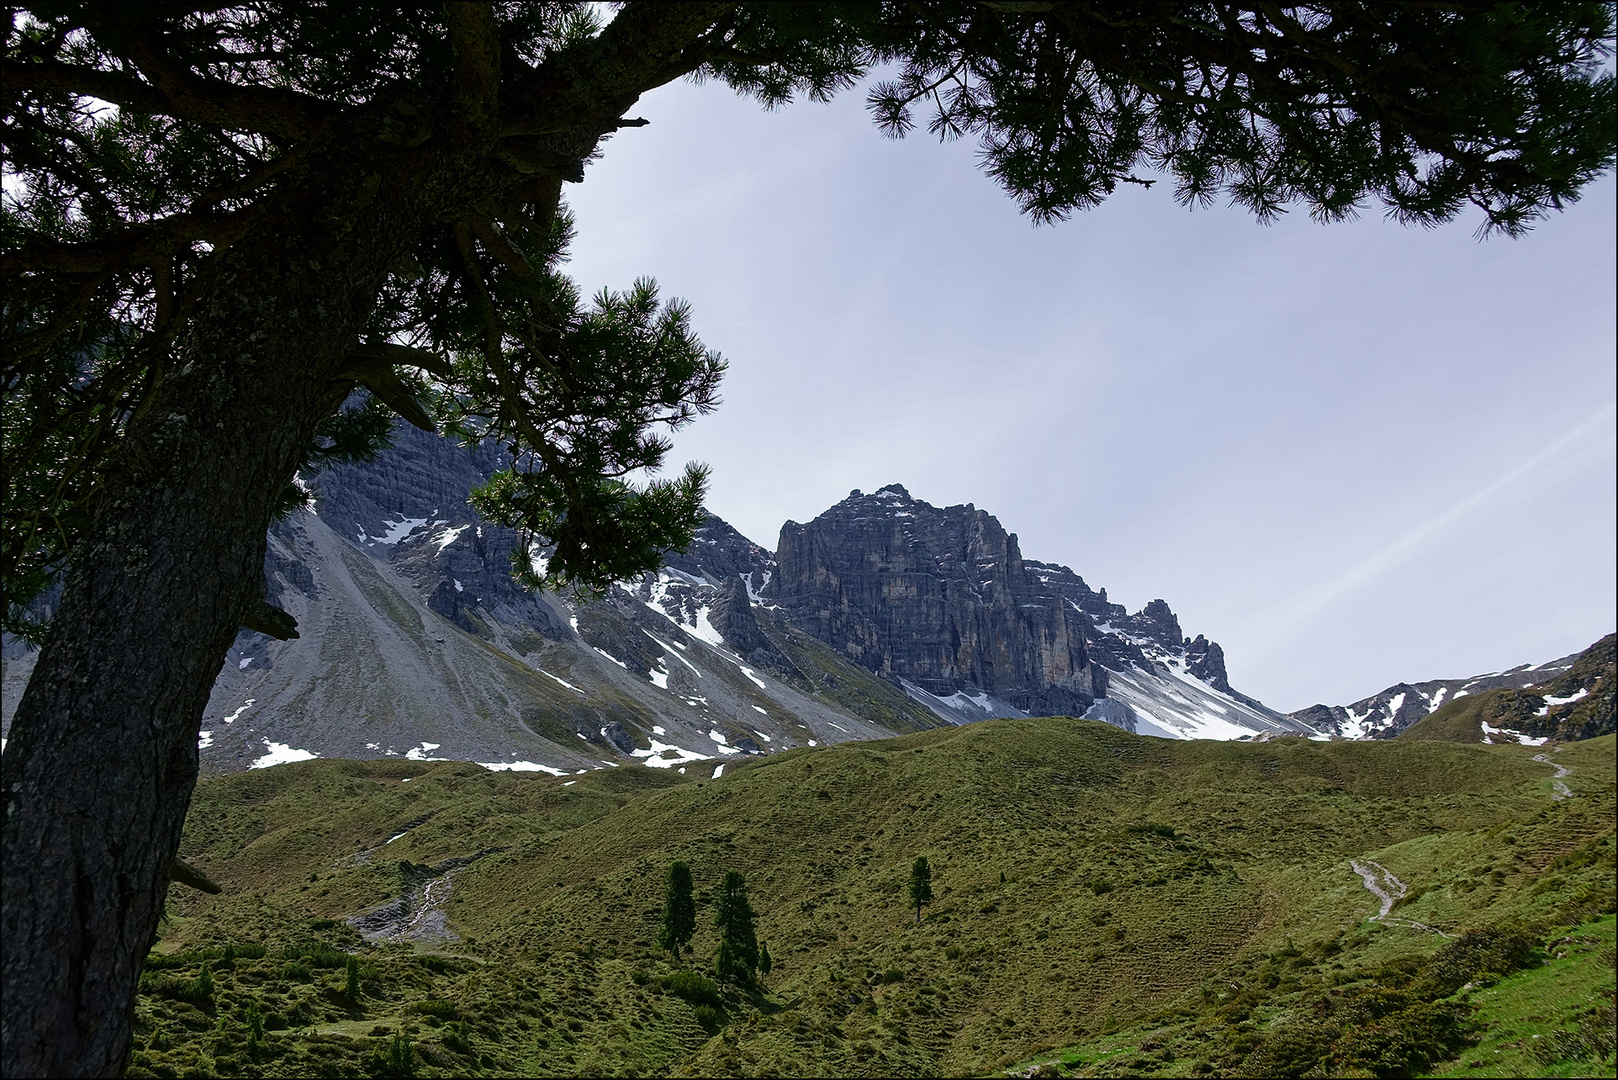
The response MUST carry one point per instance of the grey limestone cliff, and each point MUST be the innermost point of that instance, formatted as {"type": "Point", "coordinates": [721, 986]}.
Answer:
{"type": "Point", "coordinates": [938, 597]}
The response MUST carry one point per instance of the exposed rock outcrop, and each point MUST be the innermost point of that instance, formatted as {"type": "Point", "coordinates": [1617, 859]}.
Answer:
{"type": "Point", "coordinates": [1206, 660]}
{"type": "Point", "coordinates": [937, 597]}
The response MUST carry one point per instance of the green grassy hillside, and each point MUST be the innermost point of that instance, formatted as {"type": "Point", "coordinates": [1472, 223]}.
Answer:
{"type": "Point", "coordinates": [1461, 720]}
{"type": "Point", "coordinates": [1105, 903]}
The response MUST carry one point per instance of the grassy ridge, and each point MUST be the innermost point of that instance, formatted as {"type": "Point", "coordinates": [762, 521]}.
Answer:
{"type": "Point", "coordinates": [1088, 882]}
{"type": "Point", "coordinates": [1575, 705]}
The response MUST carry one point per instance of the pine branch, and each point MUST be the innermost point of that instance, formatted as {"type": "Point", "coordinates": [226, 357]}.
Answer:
{"type": "Point", "coordinates": [593, 83]}
{"type": "Point", "coordinates": [494, 354]}
{"type": "Point", "coordinates": [131, 245]}
{"type": "Point", "coordinates": [390, 353]}
{"type": "Point", "coordinates": [376, 374]}
{"type": "Point", "coordinates": [496, 242]}
{"type": "Point", "coordinates": [273, 111]}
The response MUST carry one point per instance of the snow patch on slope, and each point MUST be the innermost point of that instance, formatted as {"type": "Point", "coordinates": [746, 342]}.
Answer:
{"type": "Point", "coordinates": [667, 756]}
{"type": "Point", "coordinates": [520, 766]}
{"type": "Point", "coordinates": [281, 754]}
{"type": "Point", "coordinates": [1173, 700]}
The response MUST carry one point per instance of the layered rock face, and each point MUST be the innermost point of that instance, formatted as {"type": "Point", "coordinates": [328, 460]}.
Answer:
{"type": "Point", "coordinates": [940, 597]}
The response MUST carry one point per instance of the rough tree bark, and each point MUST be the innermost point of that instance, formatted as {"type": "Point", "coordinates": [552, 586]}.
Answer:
{"type": "Point", "coordinates": [151, 605]}
{"type": "Point", "coordinates": [102, 755]}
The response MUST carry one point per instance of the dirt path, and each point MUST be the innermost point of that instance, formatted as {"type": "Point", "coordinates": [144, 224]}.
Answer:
{"type": "Point", "coordinates": [1381, 883]}
{"type": "Point", "coordinates": [417, 914]}
{"type": "Point", "coordinates": [1374, 874]}
{"type": "Point", "coordinates": [1388, 889]}
{"type": "Point", "coordinates": [1562, 790]}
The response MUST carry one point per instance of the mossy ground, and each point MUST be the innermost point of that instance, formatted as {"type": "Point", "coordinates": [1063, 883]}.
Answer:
{"type": "Point", "coordinates": [1154, 907]}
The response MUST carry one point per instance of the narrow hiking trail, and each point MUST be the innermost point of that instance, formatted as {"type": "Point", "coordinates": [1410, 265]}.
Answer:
{"type": "Point", "coordinates": [1562, 790]}
{"type": "Point", "coordinates": [1379, 880]}
{"type": "Point", "coordinates": [1381, 883]}
{"type": "Point", "coordinates": [1374, 875]}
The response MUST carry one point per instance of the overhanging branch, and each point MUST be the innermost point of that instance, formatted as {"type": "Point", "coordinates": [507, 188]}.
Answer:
{"type": "Point", "coordinates": [596, 81]}
{"type": "Point", "coordinates": [372, 368]}
{"type": "Point", "coordinates": [281, 113]}
{"type": "Point", "coordinates": [130, 245]}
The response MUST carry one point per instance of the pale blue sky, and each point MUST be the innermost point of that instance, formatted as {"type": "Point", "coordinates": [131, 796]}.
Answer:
{"type": "Point", "coordinates": [1352, 454]}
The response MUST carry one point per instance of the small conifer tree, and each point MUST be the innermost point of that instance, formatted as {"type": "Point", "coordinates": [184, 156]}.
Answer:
{"type": "Point", "coordinates": [351, 978]}
{"type": "Point", "coordinates": [399, 1059]}
{"type": "Point", "coordinates": [202, 988]}
{"type": "Point", "coordinates": [679, 910]}
{"type": "Point", "coordinates": [255, 1029]}
{"type": "Point", "coordinates": [921, 884]}
{"type": "Point", "coordinates": [737, 956]}
{"type": "Point", "coordinates": [764, 961]}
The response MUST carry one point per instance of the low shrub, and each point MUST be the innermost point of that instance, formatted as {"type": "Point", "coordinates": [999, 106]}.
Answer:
{"type": "Point", "coordinates": [1500, 950]}
{"type": "Point", "coordinates": [1102, 886]}
{"type": "Point", "coordinates": [695, 988]}
{"type": "Point", "coordinates": [434, 1007]}
{"type": "Point", "coordinates": [193, 957]}
{"type": "Point", "coordinates": [316, 954]}
{"type": "Point", "coordinates": [197, 991]}
{"type": "Point", "coordinates": [1289, 1052]}
{"type": "Point", "coordinates": [711, 1019]}
{"type": "Point", "coordinates": [1148, 828]}
{"type": "Point", "coordinates": [1408, 1041]}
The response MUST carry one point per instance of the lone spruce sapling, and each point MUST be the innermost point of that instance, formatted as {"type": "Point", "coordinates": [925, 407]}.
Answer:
{"type": "Point", "coordinates": [351, 978]}
{"type": "Point", "coordinates": [679, 910]}
{"type": "Point", "coordinates": [737, 956]}
{"type": "Point", "coordinates": [921, 884]}
{"type": "Point", "coordinates": [280, 196]}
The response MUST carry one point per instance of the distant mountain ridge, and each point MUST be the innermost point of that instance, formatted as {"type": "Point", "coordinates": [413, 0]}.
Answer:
{"type": "Point", "coordinates": [415, 641]}
{"type": "Point", "coordinates": [881, 616]}
{"type": "Point", "coordinates": [1572, 702]}
{"type": "Point", "coordinates": [1386, 714]}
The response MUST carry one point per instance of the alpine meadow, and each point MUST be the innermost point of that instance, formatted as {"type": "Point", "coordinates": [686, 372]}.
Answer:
{"type": "Point", "coordinates": [374, 707]}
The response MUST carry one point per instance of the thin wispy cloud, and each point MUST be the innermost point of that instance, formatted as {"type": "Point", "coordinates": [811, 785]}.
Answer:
{"type": "Point", "coordinates": [1177, 404]}
{"type": "Point", "coordinates": [1287, 616]}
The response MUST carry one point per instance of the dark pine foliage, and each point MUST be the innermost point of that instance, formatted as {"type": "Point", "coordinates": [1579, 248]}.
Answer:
{"type": "Point", "coordinates": [737, 957]}
{"type": "Point", "coordinates": [679, 911]}
{"type": "Point", "coordinates": [921, 884]}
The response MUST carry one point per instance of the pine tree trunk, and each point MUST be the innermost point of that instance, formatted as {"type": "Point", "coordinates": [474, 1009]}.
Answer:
{"type": "Point", "coordinates": [102, 756]}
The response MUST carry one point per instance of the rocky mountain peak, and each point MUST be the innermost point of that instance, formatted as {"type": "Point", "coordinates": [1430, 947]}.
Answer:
{"type": "Point", "coordinates": [934, 597]}
{"type": "Point", "coordinates": [719, 553]}
{"type": "Point", "coordinates": [1206, 660]}
{"type": "Point", "coordinates": [1159, 623]}
{"type": "Point", "coordinates": [942, 601]}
